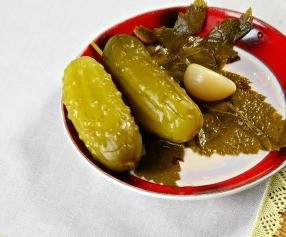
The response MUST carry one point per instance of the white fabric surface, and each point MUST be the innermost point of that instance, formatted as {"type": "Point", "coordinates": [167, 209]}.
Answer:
{"type": "Point", "coordinates": [46, 187]}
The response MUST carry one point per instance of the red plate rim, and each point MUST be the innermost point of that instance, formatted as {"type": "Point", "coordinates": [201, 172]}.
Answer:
{"type": "Point", "coordinates": [265, 48]}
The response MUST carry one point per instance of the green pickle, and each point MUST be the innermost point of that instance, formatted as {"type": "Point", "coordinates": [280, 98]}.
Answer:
{"type": "Point", "coordinates": [159, 104]}
{"type": "Point", "coordinates": [102, 120]}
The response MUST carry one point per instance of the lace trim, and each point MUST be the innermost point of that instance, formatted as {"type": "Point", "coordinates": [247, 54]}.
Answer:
{"type": "Point", "coordinates": [269, 218]}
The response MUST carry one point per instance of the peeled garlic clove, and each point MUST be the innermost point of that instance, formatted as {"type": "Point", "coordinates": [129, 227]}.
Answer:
{"type": "Point", "coordinates": [205, 84]}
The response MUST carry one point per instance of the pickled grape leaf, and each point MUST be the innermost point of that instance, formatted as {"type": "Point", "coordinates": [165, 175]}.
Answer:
{"type": "Point", "coordinates": [174, 65]}
{"type": "Point", "coordinates": [167, 38]}
{"type": "Point", "coordinates": [187, 24]}
{"type": "Point", "coordinates": [192, 21]}
{"type": "Point", "coordinates": [229, 31]}
{"type": "Point", "coordinates": [216, 49]}
{"type": "Point", "coordinates": [243, 123]}
{"type": "Point", "coordinates": [144, 34]}
{"type": "Point", "coordinates": [176, 48]}
{"type": "Point", "coordinates": [211, 55]}
{"type": "Point", "coordinates": [161, 161]}
{"type": "Point", "coordinates": [218, 45]}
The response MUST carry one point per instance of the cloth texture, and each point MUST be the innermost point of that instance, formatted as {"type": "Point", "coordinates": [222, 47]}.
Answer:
{"type": "Point", "coordinates": [46, 187]}
{"type": "Point", "coordinates": [269, 218]}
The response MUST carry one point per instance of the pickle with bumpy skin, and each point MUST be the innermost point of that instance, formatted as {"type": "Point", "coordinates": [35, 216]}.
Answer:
{"type": "Point", "coordinates": [160, 105]}
{"type": "Point", "coordinates": [102, 120]}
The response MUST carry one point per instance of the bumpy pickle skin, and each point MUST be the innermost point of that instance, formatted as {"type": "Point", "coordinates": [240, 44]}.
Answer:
{"type": "Point", "coordinates": [159, 104]}
{"type": "Point", "coordinates": [102, 120]}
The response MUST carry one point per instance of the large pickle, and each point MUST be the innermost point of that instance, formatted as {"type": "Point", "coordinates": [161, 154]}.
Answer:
{"type": "Point", "coordinates": [102, 120]}
{"type": "Point", "coordinates": [159, 104]}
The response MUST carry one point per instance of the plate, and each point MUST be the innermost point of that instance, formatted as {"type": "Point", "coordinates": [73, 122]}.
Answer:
{"type": "Point", "coordinates": [262, 61]}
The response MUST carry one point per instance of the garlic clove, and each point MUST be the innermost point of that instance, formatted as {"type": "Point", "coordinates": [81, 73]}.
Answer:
{"type": "Point", "coordinates": [205, 84]}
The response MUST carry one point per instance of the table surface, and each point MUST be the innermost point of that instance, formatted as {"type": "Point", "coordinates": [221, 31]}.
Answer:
{"type": "Point", "coordinates": [46, 188]}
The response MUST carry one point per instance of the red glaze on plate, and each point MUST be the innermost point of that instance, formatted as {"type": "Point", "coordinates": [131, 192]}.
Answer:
{"type": "Point", "coordinates": [264, 42]}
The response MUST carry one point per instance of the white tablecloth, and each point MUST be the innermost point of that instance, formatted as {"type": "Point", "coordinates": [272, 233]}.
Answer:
{"type": "Point", "coordinates": [46, 187]}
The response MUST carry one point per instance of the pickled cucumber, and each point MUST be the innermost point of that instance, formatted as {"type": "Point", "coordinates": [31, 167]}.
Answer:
{"type": "Point", "coordinates": [101, 118]}
{"type": "Point", "coordinates": [159, 104]}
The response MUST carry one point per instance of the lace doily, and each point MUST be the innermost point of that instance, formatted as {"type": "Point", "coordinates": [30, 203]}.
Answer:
{"type": "Point", "coordinates": [269, 218]}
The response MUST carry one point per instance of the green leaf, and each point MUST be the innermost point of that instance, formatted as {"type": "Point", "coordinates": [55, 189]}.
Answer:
{"type": "Point", "coordinates": [243, 123]}
{"type": "Point", "coordinates": [161, 161]}
{"type": "Point", "coordinates": [167, 37]}
{"type": "Point", "coordinates": [187, 24]}
{"type": "Point", "coordinates": [144, 34]}
{"type": "Point", "coordinates": [192, 21]}
{"type": "Point", "coordinates": [213, 55]}
{"type": "Point", "coordinates": [231, 30]}
{"type": "Point", "coordinates": [178, 48]}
